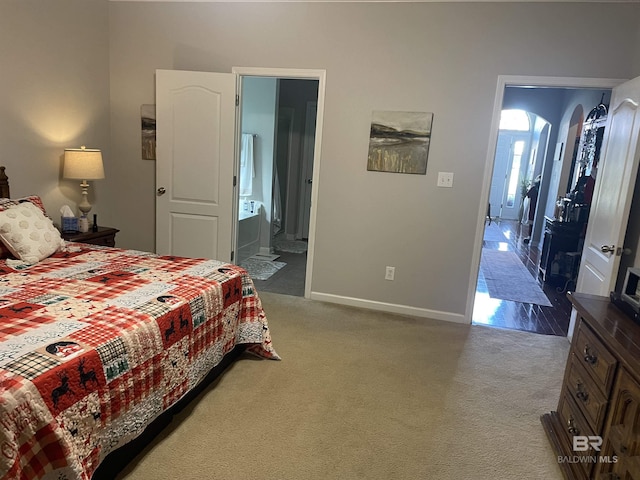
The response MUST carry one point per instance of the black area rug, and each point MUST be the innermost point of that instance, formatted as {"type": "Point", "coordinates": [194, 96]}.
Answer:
{"type": "Point", "coordinates": [508, 279]}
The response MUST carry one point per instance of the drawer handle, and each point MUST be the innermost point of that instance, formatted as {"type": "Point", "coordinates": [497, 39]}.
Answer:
{"type": "Point", "coordinates": [589, 357]}
{"type": "Point", "coordinates": [572, 429]}
{"type": "Point", "coordinates": [581, 394]}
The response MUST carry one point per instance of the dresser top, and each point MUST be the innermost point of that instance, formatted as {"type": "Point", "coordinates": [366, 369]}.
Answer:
{"type": "Point", "coordinates": [615, 328]}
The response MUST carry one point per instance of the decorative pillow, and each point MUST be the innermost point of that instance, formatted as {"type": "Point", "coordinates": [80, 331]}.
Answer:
{"type": "Point", "coordinates": [10, 202]}
{"type": "Point", "coordinates": [28, 234]}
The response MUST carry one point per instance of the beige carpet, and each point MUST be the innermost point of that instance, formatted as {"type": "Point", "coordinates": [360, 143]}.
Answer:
{"type": "Point", "coordinates": [368, 395]}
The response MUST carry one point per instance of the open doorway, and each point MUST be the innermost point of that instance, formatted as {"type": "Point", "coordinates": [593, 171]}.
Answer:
{"type": "Point", "coordinates": [278, 125]}
{"type": "Point", "coordinates": [540, 151]}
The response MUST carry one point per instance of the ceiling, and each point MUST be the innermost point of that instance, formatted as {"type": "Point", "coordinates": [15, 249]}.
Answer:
{"type": "Point", "coordinates": [384, 1]}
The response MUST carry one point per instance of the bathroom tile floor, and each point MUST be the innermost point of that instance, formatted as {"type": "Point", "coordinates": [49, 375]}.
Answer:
{"type": "Point", "coordinates": [552, 320]}
{"type": "Point", "coordinates": [289, 280]}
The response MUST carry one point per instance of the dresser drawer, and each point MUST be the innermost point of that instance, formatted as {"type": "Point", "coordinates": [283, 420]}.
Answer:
{"type": "Point", "coordinates": [584, 392]}
{"type": "Point", "coordinates": [573, 423]}
{"type": "Point", "coordinates": [595, 357]}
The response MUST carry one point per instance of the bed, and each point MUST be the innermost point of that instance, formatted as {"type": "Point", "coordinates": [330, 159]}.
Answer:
{"type": "Point", "coordinates": [100, 345]}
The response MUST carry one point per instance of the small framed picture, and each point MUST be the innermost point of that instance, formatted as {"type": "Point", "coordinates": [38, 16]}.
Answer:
{"type": "Point", "coordinates": [399, 142]}
{"type": "Point", "coordinates": [148, 124]}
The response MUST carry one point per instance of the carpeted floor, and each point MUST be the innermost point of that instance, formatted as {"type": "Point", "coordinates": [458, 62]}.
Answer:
{"type": "Point", "coordinates": [369, 395]}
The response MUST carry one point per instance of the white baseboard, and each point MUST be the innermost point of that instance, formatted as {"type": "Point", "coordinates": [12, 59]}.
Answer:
{"type": "Point", "coordinates": [389, 307]}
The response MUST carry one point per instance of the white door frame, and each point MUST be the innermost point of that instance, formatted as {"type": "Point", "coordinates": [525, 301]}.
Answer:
{"type": "Point", "coordinates": [503, 82]}
{"type": "Point", "coordinates": [307, 158]}
{"type": "Point", "coordinates": [305, 74]}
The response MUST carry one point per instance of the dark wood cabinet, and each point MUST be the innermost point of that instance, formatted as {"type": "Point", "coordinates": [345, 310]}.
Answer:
{"type": "Point", "coordinates": [560, 258]}
{"type": "Point", "coordinates": [600, 396]}
{"type": "Point", "coordinates": [105, 236]}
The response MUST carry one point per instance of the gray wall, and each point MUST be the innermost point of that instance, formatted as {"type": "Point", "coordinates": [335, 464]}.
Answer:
{"type": "Point", "coordinates": [436, 57]}
{"type": "Point", "coordinates": [636, 62]}
{"type": "Point", "coordinates": [54, 93]}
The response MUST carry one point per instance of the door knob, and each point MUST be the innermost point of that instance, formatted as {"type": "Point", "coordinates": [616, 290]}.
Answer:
{"type": "Point", "coordinates": [161, 191]}
{"type": "Point", "coordinates": [608, 248]}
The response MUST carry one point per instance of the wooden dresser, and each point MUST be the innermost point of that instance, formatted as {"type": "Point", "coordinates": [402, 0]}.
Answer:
{"type": "Point", "coordinates": [599, 404]}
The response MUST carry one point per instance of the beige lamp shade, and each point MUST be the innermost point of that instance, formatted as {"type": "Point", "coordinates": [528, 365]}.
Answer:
{"type": "Point", "coordinates": [83, 163]}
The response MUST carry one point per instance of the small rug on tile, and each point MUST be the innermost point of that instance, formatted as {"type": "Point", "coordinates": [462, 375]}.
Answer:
{"type": "Point", "coordinates": [508, 279]}
{"type": "Point", "coordinates": [290, 246]}
{"type": "Point", "coordinates": [261, 269]}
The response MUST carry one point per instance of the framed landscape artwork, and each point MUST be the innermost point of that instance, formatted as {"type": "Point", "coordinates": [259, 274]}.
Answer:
{"type": "Point", "coordinates": [399, 142]}
{"type": "Point", "coordinates": [148, 124]}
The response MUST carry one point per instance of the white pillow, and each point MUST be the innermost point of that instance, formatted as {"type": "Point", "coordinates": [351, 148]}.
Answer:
{"type": "Point", "coordinates": [28, 234]}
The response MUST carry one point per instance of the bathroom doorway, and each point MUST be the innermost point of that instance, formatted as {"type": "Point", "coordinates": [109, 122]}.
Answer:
{"type": "Point", "coordinates": [278, 125]}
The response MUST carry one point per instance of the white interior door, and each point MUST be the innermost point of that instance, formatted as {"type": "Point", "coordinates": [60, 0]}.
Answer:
{"type": "Point", "coordinates": [614, 187]}
{"type": "Point", "coordinates": [195, 122]}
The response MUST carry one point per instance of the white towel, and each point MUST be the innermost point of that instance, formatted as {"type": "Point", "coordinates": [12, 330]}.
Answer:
{"type": "Point", "coordinates": [247, 169]}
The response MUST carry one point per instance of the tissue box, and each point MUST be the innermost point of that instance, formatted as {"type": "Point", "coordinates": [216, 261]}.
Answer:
{"type": "Point", "coordinates": [69, 224]}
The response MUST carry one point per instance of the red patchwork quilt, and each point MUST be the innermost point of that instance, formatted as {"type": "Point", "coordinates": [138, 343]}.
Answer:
{"type": "Point", "coordinates": [96, 342]}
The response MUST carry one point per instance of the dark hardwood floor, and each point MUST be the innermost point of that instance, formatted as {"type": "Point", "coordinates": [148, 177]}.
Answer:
{"type": "Point", "coordinates": [493, 312]}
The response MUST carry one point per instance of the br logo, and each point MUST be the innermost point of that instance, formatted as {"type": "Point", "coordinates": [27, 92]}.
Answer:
{"type": "Point", "coordinates": [581, 443]}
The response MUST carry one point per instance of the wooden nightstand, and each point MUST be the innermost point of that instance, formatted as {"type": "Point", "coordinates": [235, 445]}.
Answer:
{"type": "Point", "coordinates": [105, 236]}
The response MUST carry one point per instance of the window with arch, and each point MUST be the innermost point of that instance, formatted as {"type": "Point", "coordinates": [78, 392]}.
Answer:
{"type": "Point", "coordinates": [517, 120]}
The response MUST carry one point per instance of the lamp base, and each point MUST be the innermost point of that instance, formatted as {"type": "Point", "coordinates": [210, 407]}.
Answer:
{"type": "Point", "coordinates": [84, 206]}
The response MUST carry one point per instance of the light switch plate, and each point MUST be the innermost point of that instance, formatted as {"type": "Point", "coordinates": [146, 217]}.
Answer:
{"type": "Point", "coordinates": [445, 179]}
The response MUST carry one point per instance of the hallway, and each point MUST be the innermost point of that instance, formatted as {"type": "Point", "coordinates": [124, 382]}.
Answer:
{"type": "Point", "coordinates": [515, 315]}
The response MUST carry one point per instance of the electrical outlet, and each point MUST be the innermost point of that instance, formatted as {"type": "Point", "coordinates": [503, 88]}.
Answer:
{"type": "Point", "coordinates": [445, 179]}
{"type": "Point", "coordinates": [390, 273]}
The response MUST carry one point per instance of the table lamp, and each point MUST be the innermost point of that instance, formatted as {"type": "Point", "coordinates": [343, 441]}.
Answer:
{"type": "Point", "coordinates": [83, 164]}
